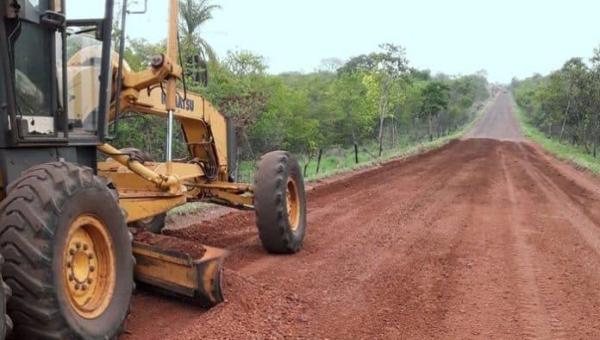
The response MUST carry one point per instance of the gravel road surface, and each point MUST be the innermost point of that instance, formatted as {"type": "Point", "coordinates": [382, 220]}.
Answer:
{"type": "Point", "coordinates": [486, 237]}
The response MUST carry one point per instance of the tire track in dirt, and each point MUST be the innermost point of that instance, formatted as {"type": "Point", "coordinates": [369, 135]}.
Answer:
{"type": "Point", "coordinates": [479, 239]}
{"type": "Point", "coordinates": [532, 312]}
{"type": "Point", "coordinates": [357, 265]}
{"type": "Point", "coordinates": [430, 264]}
{"type": "Point", "coordinates": [566, 296]}
{"type": "Point", "coordinates": [482, 305]}
{"type": "Point", "coordinates": [375, 286]}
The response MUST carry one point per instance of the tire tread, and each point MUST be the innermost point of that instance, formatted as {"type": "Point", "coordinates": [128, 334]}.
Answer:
{"type": "Point", "coordinates": [25, 240]}
{"type": "Point", "coordinates": [270, 187]}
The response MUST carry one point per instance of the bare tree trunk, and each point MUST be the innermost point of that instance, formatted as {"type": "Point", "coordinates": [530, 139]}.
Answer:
{"type": "Point", "coordinates": [306, 165]}
{"type": "Point", "coordinates": [382, 111]}
{"type": "Point", "coordinates": [581, 132]}
{"type": "Point", "coordinates": [247, 140]}
{"type": "Point", "coordinates": [562, 129]}
{"type": "Point", "coordinates": [596, 137]}
{"type": "Point", "coordinates": [381, 119]}
{"type": "Point", "coordinates": [319, 160]}
{"type": "Point", "coordinates": [430, 128]}
{"type": "Point", "coordinates": [595, 146]}
{"type": "Point", "coordinates": [237, 164]}
{"type": "Point", "coordinates": [393, 132]}
{"type": "Point", "coordinates": [353, 131]}
{"type": "Point", "coordinates": [381, 141]}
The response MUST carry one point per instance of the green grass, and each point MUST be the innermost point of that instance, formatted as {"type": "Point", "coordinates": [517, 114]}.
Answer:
{"type": "Point", "coordinates": [336, 161]}
{"type": "Point", "coordinates": [563, 151]}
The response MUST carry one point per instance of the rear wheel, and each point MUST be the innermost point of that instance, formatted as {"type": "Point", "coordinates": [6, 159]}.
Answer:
{"type": "Point", "coordinates": [280, 203]}
{"type": "Point", "coordinates": [68, 254]}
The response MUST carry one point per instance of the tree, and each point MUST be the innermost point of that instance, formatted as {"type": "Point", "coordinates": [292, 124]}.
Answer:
{"type": "Point", "coordinates": [240, 89]}
{"type": "Point", "coordinates": [566, 103]}
{"type": "Point", "coordinates": [367, 99]}
{"type": "Point", "coordinates": [245, 63]}
{"type": "Point", "coordinates": [352, 118]}
{"type": "Point", "coordinates": [139, 51]}
{"type": "Point", "coordinates": [195, 50]}
{"type": "Point", "coordinates": [435, 100]}
{"type": "Point", "coordinates": [386, 67]}
{"type": "Point", "coordinates": [595, 97]}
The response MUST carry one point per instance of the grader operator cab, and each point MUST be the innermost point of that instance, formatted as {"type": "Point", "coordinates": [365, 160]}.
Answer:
{"type": "Point", "coordinates": [66, 218]}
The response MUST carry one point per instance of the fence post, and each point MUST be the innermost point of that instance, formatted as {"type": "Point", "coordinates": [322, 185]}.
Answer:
{"type": "Point", "coordinates": [356, 153]}
{"type": "Point", "coordinates": [319, 160]}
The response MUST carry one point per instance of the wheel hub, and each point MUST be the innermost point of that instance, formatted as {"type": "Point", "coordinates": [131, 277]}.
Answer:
{"type": "Point", "coordinates": [293, 204]}
{"type": "Point", "coordinates": [81, 264]}
{"type": "Point", "coordinates": [89, 267]}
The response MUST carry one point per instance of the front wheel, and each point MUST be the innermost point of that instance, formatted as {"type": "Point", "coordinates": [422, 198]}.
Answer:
{"type": "Point", "coordinates": [280, 203]}
{"type": "Point", "coordinates": [68, 254]}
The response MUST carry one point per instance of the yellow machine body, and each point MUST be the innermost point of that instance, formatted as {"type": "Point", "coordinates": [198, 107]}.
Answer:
{"type": "Point", "coordinates": [147, 189]}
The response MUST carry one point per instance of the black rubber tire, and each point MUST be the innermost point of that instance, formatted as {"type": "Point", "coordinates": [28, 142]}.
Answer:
{"type": "Point", "coordinates": [270, 184]}
{"type": "Point", "coordinates": [34, 218]}
{"type": "Point", "coordinates": [5, 293]}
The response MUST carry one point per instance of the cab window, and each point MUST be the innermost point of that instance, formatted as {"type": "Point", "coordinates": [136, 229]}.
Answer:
{"type": "Point", "coordinates": [32, 79]}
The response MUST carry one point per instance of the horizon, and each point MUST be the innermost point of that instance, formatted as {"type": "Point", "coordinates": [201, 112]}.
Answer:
{"type": "Point", "coordinates": [459, 38]}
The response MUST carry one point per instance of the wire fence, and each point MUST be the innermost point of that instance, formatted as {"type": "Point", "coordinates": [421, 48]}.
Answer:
{"type": "Point", "coordinates": [335, 159]}
{"type": "Point", "coordinates": [148, 134]}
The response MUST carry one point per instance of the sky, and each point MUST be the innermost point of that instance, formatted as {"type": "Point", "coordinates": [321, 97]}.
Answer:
{"type": "Point", "coordinates": [508, 38]}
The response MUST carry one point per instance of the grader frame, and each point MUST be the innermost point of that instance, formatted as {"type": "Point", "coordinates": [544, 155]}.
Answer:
{"type": "Point", "coordinates": [66, 217]}
{"type": "Point", "coordinates": [206, 131]}
{"type": "Point", "coordinates": [147, 189]}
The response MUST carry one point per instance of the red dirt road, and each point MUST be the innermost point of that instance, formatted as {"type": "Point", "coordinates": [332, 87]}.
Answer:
{"type": "Point", "coordinates": [480, 239]}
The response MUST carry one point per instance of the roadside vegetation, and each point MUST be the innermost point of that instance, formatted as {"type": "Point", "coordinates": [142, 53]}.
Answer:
{"type": "Point", "coordinates": [363, 110]}
{"type": "Point", "coordinates": [565, 151]}
{"type": "Point", "coordinates": [561, 111]}
{"type": "Point", "coordinates": [338, 160]}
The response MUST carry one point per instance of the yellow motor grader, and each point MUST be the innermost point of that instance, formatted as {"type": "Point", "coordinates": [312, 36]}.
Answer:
{"type": "Point", "coordinates": [66, 218]}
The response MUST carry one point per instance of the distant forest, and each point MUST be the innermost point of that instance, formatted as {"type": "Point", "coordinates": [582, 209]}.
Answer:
{"type": "Point", "coordinates": [565, 104]}
{"type": "Point", "coordinates": [372, 98]}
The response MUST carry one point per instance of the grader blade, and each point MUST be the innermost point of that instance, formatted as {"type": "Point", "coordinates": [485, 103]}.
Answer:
{"type": "Point", "coordinates": [197, 277]}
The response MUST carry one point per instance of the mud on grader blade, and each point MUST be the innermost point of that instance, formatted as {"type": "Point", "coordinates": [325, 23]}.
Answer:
{"type": "Point", "coordinates": [67, 218]}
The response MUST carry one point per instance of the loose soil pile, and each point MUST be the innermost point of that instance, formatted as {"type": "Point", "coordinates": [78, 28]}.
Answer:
{"type": "Point", "coordinates": [194, 249]}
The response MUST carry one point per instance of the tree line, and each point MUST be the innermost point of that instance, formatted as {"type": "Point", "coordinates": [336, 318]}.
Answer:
{"type": "Point", "coordinates": [374, 98]}
{"type": "Point", "coordinates": [370, 98]}
{"type": "Point", "coordinates": [565, 104]}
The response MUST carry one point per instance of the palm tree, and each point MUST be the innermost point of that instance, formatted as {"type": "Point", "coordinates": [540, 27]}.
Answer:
{"type": "Point", "coordinates": [194, 13]}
